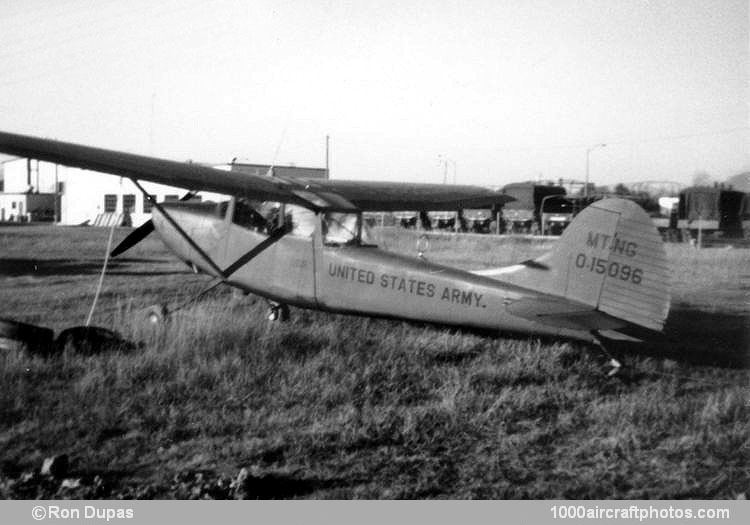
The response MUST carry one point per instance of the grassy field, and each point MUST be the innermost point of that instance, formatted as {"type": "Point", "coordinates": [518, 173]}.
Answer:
{"type": "Point", "coordinates": [330, 406]}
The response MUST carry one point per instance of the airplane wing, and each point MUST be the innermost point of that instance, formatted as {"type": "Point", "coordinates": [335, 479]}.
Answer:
{"type": "Point", "coordinates": [315, 194]}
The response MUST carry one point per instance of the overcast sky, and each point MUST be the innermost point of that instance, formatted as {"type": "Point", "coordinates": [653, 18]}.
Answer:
{"type": "Point", "coordinates": [507, 90]}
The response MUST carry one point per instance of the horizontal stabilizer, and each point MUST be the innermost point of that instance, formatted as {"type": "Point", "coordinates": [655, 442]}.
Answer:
{"type": "Point", "coordinates": [564, 314]}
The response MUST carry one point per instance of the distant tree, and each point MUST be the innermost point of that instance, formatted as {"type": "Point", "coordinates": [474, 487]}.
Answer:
{"type": "Point", "coordinates": [621, 189]}
{"type": "Point", "coordinates": [593, 189]}
{"type": "Point", "coordinates": [701, 178]}
{"type": "Point", "coordinates": [740, 182]}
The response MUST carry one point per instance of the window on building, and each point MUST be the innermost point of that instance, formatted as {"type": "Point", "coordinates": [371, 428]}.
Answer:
{"type": "Point", "coordinates": [13, 205]}
{"type": "Point", "coordinates": [221, 209]}
{"type": "Point", "coordinates": [147, 204]}
{"type": "Point", "coordinates": [110, 203]}
{"type": "Point", "coordinates": [128, 203]}
{"type": "Point", "coordinates": [171, 198]}
{"type": "Point", "coordinates": [61, 187]}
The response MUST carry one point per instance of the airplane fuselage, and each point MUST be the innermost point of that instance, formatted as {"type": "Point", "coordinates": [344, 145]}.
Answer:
{"type": "Point", "coordinates": [306, 272]}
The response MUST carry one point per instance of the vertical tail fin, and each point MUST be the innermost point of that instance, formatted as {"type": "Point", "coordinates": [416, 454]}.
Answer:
{"type": "Point", "coordinates": [610, 257]}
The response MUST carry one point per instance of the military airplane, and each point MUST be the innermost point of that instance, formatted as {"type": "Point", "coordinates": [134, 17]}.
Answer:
{"type": "Point", "coordinates": [606, 273]}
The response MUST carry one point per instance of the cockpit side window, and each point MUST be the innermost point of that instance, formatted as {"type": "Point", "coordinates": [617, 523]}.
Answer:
{"type": "Point", "coordinates": [266, 217]}
{"type": "Point", "coordinates": [247, 216]}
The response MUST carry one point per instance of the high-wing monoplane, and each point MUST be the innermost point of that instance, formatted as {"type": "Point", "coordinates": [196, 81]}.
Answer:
{"type": "Point", "coordinates": [606, 273]}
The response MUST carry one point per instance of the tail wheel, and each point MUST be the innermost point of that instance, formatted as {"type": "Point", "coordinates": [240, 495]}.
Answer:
{"type": "Point", "coordinates": [22, 336]}
{"type": "Point", "coordinates": [278, 313]}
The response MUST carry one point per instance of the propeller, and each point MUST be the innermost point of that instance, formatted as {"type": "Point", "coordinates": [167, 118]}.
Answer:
{"type": "Point", "coordinates": [134, 238]}
{"type": "Point", "coordinates": [141, 232]}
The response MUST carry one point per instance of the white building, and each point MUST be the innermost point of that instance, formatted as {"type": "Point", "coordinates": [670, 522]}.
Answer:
{"type": "Point", "coordinates": [27, 194]}
{"type": "Point", "coordinates": [88, 197]}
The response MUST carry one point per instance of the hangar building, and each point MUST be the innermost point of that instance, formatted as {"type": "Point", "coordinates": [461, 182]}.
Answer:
{"type": "Point", "coordinates": [36, 190]}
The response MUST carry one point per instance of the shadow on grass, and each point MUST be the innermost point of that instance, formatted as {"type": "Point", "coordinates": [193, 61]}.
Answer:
{"type": "Point", "coordinates": [699, 338]}
{"type": "Point", "coordinates": [279, 486]}
{"type": "Point", "coordinates": [12, 267]}
{"type": "Point", "coordinates": [690, 336]}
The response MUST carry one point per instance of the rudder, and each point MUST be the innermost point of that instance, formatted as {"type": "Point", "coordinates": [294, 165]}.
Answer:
{"type": "Point", "coordinates": [616, 261]}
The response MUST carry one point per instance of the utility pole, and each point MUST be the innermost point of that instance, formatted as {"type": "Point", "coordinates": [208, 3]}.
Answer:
{"type": "Point", "coordinates": [328, 140]}
{"type": "Point", "coordinates": [151, 124]}
{"type": "Point", "coordinates": [442, 159]}
{"type": "Point", "coordinates": [588, 153]}
{"type": "Point", "coordinates": [57, 196]}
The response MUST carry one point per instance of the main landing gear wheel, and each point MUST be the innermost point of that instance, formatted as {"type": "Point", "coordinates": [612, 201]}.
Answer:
{"type": "Point", "coordinates": [155, 315]}
{"type": "Point", "coordinates": [278, 312]}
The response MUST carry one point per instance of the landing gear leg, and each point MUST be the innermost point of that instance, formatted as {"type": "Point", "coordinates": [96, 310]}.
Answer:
{"type": "Point", "coordinates": [614, 366]}
{"type": "Point", "coordinates": [278, 312]}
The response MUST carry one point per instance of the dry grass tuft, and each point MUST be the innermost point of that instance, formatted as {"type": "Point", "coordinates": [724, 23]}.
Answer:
{"type": "Point", "coordinates": [332, 406]}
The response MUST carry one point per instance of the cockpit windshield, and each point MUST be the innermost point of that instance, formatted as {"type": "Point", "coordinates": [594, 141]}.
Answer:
{"type": "Point", "coordinates": [301, 221]}
{"type": "Point", "coordinates": [266, 217]}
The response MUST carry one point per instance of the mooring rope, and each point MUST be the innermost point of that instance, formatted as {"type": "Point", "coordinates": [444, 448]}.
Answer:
{"type": "Point", "coordinates": [101, 277]}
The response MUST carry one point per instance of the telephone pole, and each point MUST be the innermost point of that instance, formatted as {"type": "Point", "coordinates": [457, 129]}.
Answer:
{"type": "Point", "coordinates": [328, 140]}
{"type": "Point", "coordinates": [588, 153]}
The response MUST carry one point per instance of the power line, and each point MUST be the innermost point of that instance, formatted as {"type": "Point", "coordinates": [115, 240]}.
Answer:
{"type": "Point", "coordinates": [618, 142]}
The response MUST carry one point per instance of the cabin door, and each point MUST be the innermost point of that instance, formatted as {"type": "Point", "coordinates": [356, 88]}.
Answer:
{"type": "Point", "coordinates": [284, 270]}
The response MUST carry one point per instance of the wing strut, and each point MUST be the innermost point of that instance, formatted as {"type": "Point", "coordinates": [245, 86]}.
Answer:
{"type": "Point", "coordinates": [253, 252]}
{"type": "Point", "coordinates": [222, 275]}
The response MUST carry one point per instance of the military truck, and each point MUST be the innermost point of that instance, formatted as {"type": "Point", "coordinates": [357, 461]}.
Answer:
{"type": "Point", "coordinates": [523, 214]}
{"type": "Point", "coordinates": [712, 211]}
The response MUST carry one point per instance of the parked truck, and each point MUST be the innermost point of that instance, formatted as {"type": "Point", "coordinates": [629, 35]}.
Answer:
{"type": "Point", "coordinates": [712, 211]}
{"type": "Point", "coordinates": [523, 215]}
